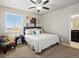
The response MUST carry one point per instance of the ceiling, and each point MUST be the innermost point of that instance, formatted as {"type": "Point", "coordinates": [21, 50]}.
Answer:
{"type": "Point", "coordinates": [25, 4]}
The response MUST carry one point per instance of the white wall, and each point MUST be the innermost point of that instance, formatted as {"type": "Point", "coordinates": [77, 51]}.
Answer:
{"type": "Point", "coordinates": [58, 22]}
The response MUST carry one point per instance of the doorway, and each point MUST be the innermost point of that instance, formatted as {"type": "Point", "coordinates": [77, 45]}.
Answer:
{"type": "Point", "coordinates": [75, 31]}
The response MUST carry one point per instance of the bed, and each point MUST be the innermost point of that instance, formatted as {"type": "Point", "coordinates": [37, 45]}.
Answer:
{"type": "Point", "coordinates": [41, 41]}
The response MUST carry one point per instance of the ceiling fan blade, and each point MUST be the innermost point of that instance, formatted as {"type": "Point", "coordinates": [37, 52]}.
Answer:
{"type": "Point", "coordinates": [46, 8]}
{"type": "Point", "coordinates": [31, 7]}
{"type": "Point", "coordinates": [46, 2]}
{"type": "Point", "coordinates": [39, 1]}
{"type": "Point", "coordinates": [38, 10]}
{"type": "Point", "coordinates": [33, 1]}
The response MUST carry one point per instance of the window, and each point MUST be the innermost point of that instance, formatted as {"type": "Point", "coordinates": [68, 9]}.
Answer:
{"type": "Point", "coordinates": [13, 22]}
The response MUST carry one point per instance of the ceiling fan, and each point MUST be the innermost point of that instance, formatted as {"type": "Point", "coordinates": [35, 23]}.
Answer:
{"type": "Point", "coordinates": [39, 4]}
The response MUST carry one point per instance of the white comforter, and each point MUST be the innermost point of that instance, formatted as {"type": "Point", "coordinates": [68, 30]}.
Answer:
{"type": "Point", "coordinates": [42, 41]}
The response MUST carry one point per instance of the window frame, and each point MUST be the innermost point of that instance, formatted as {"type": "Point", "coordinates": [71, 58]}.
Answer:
{"type": "Point", "coordinates": [15, 14]}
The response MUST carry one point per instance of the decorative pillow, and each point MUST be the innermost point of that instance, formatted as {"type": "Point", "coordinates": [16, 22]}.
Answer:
{"type": "Point", "coordinates": [6, 38]}
{"type": "Point", "coordinates": [37, 31]}
{"type": "Point", "coordinates": [33, 31]}
{"type": "Point", "coordinates": [40, 30]}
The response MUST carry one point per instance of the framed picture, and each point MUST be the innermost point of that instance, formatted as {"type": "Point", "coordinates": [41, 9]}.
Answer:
{"type": "Point", "coordinates": [31, 22]}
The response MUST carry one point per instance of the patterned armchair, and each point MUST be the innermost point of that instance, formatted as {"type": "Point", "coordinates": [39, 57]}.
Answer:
{"type": "Point", "coordinates": [6, 43]}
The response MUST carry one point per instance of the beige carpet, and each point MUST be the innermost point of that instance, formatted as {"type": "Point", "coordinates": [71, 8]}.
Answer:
{"type": "Point", "coordinates": [57, 51]}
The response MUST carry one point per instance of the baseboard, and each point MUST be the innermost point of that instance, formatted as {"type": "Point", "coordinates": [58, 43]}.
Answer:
{"type": "Point", "coordinates": [65, 44]}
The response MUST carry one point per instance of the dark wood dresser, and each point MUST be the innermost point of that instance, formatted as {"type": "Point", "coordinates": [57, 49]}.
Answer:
{"type": "Point", "coordinates": [75, 35]}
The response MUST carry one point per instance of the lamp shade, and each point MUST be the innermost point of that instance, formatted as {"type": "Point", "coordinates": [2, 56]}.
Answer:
{"type": "Point", "coordinates": [16, 29]}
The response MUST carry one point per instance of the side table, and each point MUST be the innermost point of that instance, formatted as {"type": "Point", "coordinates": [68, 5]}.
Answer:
{"type": "Point", "coordinates": [19, 37]}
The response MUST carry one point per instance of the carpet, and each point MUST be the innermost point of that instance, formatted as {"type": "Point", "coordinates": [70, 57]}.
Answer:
{"type": "Point", "coordinates": [56, 51]}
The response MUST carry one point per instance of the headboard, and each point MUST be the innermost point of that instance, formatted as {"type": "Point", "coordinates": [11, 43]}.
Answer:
{"type": "Point", "coordinates": [31, 28]}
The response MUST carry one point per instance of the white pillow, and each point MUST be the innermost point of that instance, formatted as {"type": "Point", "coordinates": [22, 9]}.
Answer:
{"type": "Point", "coordinates": [28, 32]}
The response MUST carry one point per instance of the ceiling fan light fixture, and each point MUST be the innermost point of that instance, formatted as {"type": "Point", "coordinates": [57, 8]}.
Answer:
{"type": "Point", "coordinates": [34, 4]}
{"type": "Point", "coordinates": [34, 0]}
{"type": "Point", "coordinates": [43, 0]}
{"type": "Point", "coordinates": [39, 8]}
{"type": "Point", "coordinates": [39, 4]}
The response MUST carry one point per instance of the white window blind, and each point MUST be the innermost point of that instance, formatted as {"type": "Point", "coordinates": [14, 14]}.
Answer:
{"type": "Point", "coordinates": [13, 22]}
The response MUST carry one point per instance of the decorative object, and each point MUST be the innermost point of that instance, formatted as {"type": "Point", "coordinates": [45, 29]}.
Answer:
{"type": "Point", "coordinates": [16, 29]}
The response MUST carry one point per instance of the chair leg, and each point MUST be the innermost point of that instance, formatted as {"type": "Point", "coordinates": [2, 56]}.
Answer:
{"type": "Point", "coordinates": [4, 51]}
{"type": "Point", "coordinates": [14, 47]}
